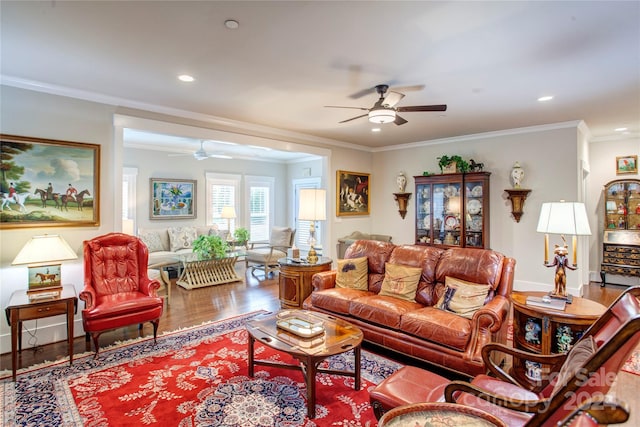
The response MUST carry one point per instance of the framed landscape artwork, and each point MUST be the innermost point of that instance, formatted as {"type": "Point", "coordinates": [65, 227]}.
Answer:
{"type": "Point", "coordinates": [626, 164]}
{"type": "Point", "coordinates": [352, 193]}
{"type": "Point", "coordinates": [49, 183]}
{"type": "Point", "coordinates": [173, 198]}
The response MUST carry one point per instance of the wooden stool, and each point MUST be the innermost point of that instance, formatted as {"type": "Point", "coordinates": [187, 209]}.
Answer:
{"type": "Point", "coordinates": [406, 386]}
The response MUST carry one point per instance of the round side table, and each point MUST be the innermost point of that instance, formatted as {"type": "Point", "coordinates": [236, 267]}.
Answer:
{"type": "Point", "coordinates": [437, 413]}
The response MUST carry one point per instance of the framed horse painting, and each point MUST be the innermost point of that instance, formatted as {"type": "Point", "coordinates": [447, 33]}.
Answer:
{"type": "Point", "coordinates": [49, 183]}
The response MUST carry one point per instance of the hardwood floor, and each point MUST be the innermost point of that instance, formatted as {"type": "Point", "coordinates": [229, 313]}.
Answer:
{"type": "Point", "coordinates": [193, 307]}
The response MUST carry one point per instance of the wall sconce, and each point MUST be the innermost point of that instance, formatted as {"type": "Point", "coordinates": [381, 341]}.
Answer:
{"type": "Point", "coordinates": [517, 197]}
{"type": "Point", "coordinates": [402, 199]}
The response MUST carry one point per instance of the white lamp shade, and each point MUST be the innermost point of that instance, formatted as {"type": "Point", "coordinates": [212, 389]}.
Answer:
{"type": "Point", "coordinates": [228, 212]}
{"type": "Point", "coordinates": [49, 248]}
{"type": "Point", "coordinates": [313, 204]}
{"type": "Point", "coordinates": [564, 218]}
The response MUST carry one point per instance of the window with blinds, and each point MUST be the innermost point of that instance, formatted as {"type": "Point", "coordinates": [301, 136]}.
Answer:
{"type": "Point", "coordinates": [222, 190]}
{"type": "Point", "coordinates": [260, 191]}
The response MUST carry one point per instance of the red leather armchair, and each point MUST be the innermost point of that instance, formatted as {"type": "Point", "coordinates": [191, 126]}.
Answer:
{"type": "Point", "coordinates": [117, 291]}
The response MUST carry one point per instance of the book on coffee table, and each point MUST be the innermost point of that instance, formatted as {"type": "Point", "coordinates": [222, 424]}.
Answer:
{"type": "Point", "coordinates": [551, 303]}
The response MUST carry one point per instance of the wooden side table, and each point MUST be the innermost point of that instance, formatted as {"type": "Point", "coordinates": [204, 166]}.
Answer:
{"type": "Point", "coordinates": [547, 331]}
{"type": "Point", "coordinates": [20, 308]}
{"type": "Point", "coordinates": [295, 280]}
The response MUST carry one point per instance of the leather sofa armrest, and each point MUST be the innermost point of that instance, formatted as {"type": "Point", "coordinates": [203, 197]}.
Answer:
{"type": "Point", "coordinates": [493, 314]}
{"type": "Point", "coordinates": [324, 280]}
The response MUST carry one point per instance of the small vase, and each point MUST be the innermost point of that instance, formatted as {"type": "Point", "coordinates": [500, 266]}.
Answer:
{"type": "Point", "coordinates": [517, 175]}
{"type": "Point", "coordinates": [401, 182]}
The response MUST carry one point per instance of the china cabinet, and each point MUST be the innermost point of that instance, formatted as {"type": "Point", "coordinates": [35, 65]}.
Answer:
{"type": "Point", "coordinates": [453, 210]}
{"type": "Point", "coordinates": [621, 242]}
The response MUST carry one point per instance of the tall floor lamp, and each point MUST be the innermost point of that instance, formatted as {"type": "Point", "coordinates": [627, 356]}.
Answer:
{"type": "Point", "coordinates": [564, 218]}
{"type": "Point", "coordinates": [313, 207]}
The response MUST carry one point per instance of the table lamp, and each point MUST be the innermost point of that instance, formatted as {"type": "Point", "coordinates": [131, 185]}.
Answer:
{"type": "Point", "coordinates": [43, 255]}
{"type": "Point", "coordinates": [313, 207]}
{"type": "Point", "coordinates": [229, 213]}
{"type": "Point", "coordinates": [564, 218]}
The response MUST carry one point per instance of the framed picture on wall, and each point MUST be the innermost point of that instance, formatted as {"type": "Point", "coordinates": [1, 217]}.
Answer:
{"type": "Point", "coordinates": [49, 183]}
{"type": "Point", "coordinates": [626, 164]}
{"type": "Point", "coordinates": [352, 193]}
{"type": "Point", "coordinates": [172, 198]}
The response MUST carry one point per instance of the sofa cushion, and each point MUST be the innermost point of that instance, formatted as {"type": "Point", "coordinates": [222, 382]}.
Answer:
{"type": "Point", "coordinates": [152, 239]}
{"type": "Point", "coordinates": [352, 273]}
{"type": "Point", "coordinates": [336, 300]}
{"type": "Point", "coordinates": [382, 310]}
{"type": "Point", "coordinates": [462, 297]}
{"type": "Point", "coordinates": [438, 326]}
{"type": "Point", "coordinates": [401, 282]}
{"type": "Point", "coordinates": [181, 237]}
{"type": "Point", "coordinates": [425, 258]}
{"type": "Point", "coordinates": [468, 264]}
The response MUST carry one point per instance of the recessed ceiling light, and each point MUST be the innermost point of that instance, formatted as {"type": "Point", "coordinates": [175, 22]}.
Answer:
{"type": "Point", "coordinates": [545, 98]}
{"type": "Point", "coordinates": [231, 24]}
{"type": "Point", "coordinates": [185, 78]}
{"type": "Point", "coordinates": [620, 129]}
{"type": "Point", "coordinates": [376, 130]}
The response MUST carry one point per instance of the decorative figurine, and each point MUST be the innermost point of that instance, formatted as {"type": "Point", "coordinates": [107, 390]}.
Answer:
{"type": "Point", "coordinates": [475, 167]}
{"type": "Point", "coordinates": [517, 175]}
{"type": "Point", "coordinates": [564, 337]}
{"type": "Point", "coordinates": [532, 332]}
{"type": "Point", "coordinates": [401, 181]}
{"type": "Point", "coordinates": [560, 261]}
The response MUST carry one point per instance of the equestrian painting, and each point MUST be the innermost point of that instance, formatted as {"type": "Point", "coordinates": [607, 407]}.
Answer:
{"type": "Point", "coordinates": [42, 277]}
{"type": "Point", "coordinates": [45, 183]}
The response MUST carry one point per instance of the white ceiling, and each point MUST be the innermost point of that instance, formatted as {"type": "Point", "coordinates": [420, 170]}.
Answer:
{"type": "Point", "coordinates": [488, 61]}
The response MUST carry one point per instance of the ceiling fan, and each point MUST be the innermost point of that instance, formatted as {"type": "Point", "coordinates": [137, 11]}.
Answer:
{"type": "Point", "coordinates": [202, 154]}
{"type": "Point", "coordinates": [385, 110]}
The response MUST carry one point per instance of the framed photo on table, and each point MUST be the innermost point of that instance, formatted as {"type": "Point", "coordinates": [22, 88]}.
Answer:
{"type": "Point", "coordinates": [352, 193]}
{"type": "Point", "coordinates": [172, 198]}
{"type": "Point", "coordinates": [626, 164]}
{"type": "Point", "coordinates": [49, 183]}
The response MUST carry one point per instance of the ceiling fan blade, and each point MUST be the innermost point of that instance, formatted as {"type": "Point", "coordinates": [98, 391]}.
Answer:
{"type": "Point", "coordinates": [399, 120]}
{"type": "Point", "coordinates": [353, 118]}
{"type": "Point", "coordinates": [339, 106]}
{"type": "Point", "coordinates": [413, 88]}
{"type": "Point", "coordinates": [442, 107]}
{"type": "Point", "coordinates": [392, 98]}
{"type": "Point", "coordinates": [179, 155]}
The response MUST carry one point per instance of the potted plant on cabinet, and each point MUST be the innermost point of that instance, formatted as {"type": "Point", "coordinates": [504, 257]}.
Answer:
{"type": "Point", "coordinates": [453, 164]}
{"type": "Point", "coordinates": [207, 246]}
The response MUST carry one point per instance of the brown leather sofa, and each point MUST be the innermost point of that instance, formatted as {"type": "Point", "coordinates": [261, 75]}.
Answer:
{"type": "Point", "coordinates": [419, 329]}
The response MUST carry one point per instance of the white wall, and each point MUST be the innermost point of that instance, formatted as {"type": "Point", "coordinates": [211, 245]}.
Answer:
{"type": "Point", "coordinates": [603, 169]}
{"type": "Point", "coordinates": [548, 154]}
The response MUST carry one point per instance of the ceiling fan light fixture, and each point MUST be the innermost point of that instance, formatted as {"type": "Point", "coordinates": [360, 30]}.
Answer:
{"type": "Point", "coordinates": [382, 115]}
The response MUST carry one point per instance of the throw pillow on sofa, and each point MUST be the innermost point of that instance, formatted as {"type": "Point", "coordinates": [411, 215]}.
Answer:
{"type": "Point", "coordinates": [462, 297]}
{"type": "Point", "coordinates": [353, 273]}
{"type": "Point", "coordinates": [400, 282]}
{"type": "Point", "coordinates": [152, 240]}
{"type": "Point", "coordinates": [182, 237]}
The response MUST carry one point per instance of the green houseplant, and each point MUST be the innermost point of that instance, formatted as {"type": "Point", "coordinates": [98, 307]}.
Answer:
{"type": "Point", "coordinates": [207, 246]}
{"type": "Point", "coordinates": [242, 235]}
{"type": "Point", "coordinates": [461, 164]}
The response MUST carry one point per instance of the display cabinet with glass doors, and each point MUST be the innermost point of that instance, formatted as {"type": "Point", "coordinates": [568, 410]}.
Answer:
{"type": "Point", "coordinates": [453, 210]}
{"type": "Point", "coordinates": [621, 241]}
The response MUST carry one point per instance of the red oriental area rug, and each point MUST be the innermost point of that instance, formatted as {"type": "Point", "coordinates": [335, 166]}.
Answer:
{"type": "Point", "coordinates": [192, 377]}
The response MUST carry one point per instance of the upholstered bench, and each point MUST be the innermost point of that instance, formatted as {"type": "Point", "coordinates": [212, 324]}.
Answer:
{"type": "Point", "coordinates": [406, 386]}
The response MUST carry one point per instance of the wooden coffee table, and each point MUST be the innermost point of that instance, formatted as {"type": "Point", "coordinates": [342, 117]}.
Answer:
{"type": "Point", "coordinates": [338, 337]}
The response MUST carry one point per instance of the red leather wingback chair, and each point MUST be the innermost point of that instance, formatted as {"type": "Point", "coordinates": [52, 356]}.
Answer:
{"type": "Point", "coordinates": [117, 291]}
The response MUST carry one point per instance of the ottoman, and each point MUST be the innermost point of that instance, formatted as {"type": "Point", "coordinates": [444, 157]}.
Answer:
{"type": "Point", "coordinates": [406, 386]}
